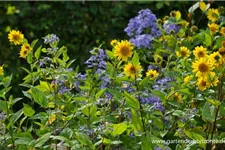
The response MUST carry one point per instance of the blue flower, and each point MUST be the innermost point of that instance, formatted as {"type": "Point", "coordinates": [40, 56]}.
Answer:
{"type": "Point", "coordinates": [51, 38]}
{"type": "Point", "coordinates": [142, 41]}
{"type": "Point", "coordinates": [154, 101]}
{"type": "Point", "coordinates": [170, 27]}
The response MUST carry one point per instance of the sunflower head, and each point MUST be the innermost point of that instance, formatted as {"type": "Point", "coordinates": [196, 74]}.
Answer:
{"type": "Point", "coordinates": [203, 67]}
{"type": "Point", "coordinates": [222, 31]}
{"type": "Point", "coordinates": [24, 53]}
{"type": "Point", "coordinates": [200, 52]}
{"type": "Point", "coordinates": [177, 97]}
{"type": "Point", "coordinates": [1, 71]}
{"type": "Point", "coordinates": [27, 47]}
{"type": "Point", "coordinates": [16, 37]}
{"type": "Point", "coordinates": [184, 52]}
{"type": "Point", "coordinates": [123, 50]}
{"type": "Point", "coordinates": [113, 42]}
{"type": "Point", "coordinates": [153, 74]}
{"type": "Point", "coordinates": [132, 71]}
{"type": "Point", "coordinates": [213, 14]}
{"type": "Point", "coordinates": [216, 58]}
{"type": "Point", "coordinates": [203, 84]}
{"type": "Point", "coordinates": [213, 27]}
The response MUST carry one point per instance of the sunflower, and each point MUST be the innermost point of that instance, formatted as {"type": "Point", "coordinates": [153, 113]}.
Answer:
{"type": "Point", "coordinates": [1, 71]}
{"type": "Point", "coordinates": [202, 67]}
{"type": "Point", "coordinates": [24, 53]}
{"type": "Point", "coordinates": [183, 52]}
{"type": "Point", "coordinates": [216, 58]}
{"type": "Point", "coordinates": [203, 84]}
{"type": "Point", "coordinates": [123, 50]}
{"type": "Point", "coordinates": [200, 52]}
{"type": "Point", "coordinates": [152, 74]}
{"type": "Point", "coordinates": [132, 71]}
{"type": "Point", "coordinates": [187, 79]}
{"type": "Point", "coordinates": [213, 28]}
{"type": "Point", "coordinates": [113, 42]}
{"type": "Point", "coordinates": [213, 14]}
{"type": "Point", "coordinates": [176, 96]}
{"type": "Point", "coordinates": [222, 31]}
{"type": "Point", "coordinates": [16, 37]}
{"type": "Point", "coordinates": [27, 47]}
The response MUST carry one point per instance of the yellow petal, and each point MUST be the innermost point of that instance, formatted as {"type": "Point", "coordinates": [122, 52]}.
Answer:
{"type": "Point", "coordinates": [202, 6]}
{"type": "Point", "coordinates": [178, 15]}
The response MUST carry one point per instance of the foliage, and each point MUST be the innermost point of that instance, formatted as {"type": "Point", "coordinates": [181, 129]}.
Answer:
{"type": "Point", "coordinates": [165, 83]}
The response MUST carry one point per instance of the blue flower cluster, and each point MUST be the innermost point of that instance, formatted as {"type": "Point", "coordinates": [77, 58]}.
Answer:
{"type": "Point", "coordinates": [62, 88]}
{"type": "Point", "coordinates": [155, 101]}
{"type": "Point", "coordinates": [142, 29]}
{"type": "Point", "coordinates": [162, 84]}
{"type": "Point", "coordinates": [79, 78]}
{"type": "Point", "coordinates": [97, 59]}
{"type": "Point", "coordinates": [51, 38]}
{"type": "Point", "coordinates": [171, 27]}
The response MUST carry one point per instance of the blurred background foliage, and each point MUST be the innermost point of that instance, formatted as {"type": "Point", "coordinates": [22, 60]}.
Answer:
{"type": "Point", "coordinates": [79, 25]}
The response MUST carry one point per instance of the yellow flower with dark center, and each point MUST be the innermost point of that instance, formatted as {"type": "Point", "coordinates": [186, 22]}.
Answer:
{"type": "Point", "coordinates": [113, 42]}
{"type": "Point", "coordinates": [222, 31]}
{"type": "Point", "coordinates": [187, 79]}
{"type": "Point", "coordinates": [27, 47]}
{"type": "Point", "coordinates": [223, 44]}
{"type": "Point", "coordinates": [152, 74]}
{"type": "Point", "coordinates": [200, 52]}
{"type": "Point", "coordinates": [202, 67]}
{"type": "Point", "coordinates": [1, 71]}
{"type": "Point", "coordinates": [16, 37]}
{"type": "Point", "coordinates": [24, 53]}
{"type": "Point", "coordinates": [177, 97]}
{"type": "Point", "coordinates": [123, 50]}
{"type": "Point", "coordinates": [203, 84]}
{"type": "Point", "coordinates": [132, 71]}
{"type": "Point", "coordinates": [213, 14]}
{"type": "Point", "coordinates": [184, 52]}
{"type": "Point", "coordinates": [213, 27]}
{"type": "Point", "coordinates": [216, 58]}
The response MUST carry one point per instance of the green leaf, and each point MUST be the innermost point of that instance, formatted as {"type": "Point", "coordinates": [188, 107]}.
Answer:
{"type": "Point", "coordinates": [216, 103]}
{"type": "Point", "coordinates": [63, 139]}
{"type": "Point", "coordinates": [117, 95]}
{"type": "Point", "coordinates": [27, 110]}
{"type": "Point", "coordinates": [70, 63]}
{"type": "Point", "coordinates": [193, 8]}
{"type": "Point", "coordinates": [159, 94]}
{"type": "Point", "coordinates": [23, 138]}
{"type": "Point", "coordinates": [30, 58]}
{"type": "Point", "coordinates": [146, 144]}
{"type": "Point", "coordinates": [136, 120]}
{"type": "Point", "coordinates": [208, 112]}
{"type": "Point", "coordinates": [3, 106]}
{"type": "Point", "coordinates": [89, 110]}
{"type": "Point", "coordinates": [119, 128]}
{"type": "Point", "coordinates": [37, 53]}
{"type": "Point", "coordinates": [40, 141]}
{"type": "Point", "coordinates": [39, 97]}
{"type": "Point", "coordinates": [196, 137]}
{"type": "Point", "coordinates": [33, 43]}
{"type": "Point", "coordinates": [100, 93]}
{"type": "Point", "coordinates": [208, 39]}
{"type": "Point", "coordinates": [135, 59]}
{"type": "Point", "coordinates": [83, 139]}
{"type": "Point", "coordinates": [132, 102]}
{"type": "Point", "coordinates": [65, 56]}
{"type": "Point", "coordinates": [7, 81]}
{"type": "Point", "coordinates": [15, 117]}
{"type": "Point", "coordinates": [110, 54]}
{"type": "Point", "coordinates": [178, 113]}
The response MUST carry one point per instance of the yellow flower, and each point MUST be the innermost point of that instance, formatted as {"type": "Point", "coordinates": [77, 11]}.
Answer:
{"type": "Point", "coordinates": [51, 118]}
{"type": "Point", "coordinates": [213, 14]}
{"type": "Point", "coordinates": [202, 67]}
{"type": "Point", "coordinates": [213, 28]}
{"type": "Point", "coordinates": [222, 31]}
{"type": "Point", "coordinates": [203, 84]}
{"type": "Point", "coordinates": [187, 79]}
{"type": "Point", "coordinates": [113, 42]}
{"type": "Point", "coordinates": [1, 71]}
{"type": "Point", "coordinates": [27, 47]}
{"type": "Point", "coordinates": [24, 53]}
{"type": "Point", "coordinates": [183, 52]}
{"type": "Point", "coordinates": [132, 71]}
{"type": "Point", "coordinates": [176, 96]}
{"type": "Point", "coordinates": [152, 73]}
{"type": "Point", "coordinates": [16, 37]}
{"type": "Point", "coordinates": [123, 50]}
{"type": "Point", "coordinates": [216, 58]}
{"type": "Point", "coordinates": [200, 52]}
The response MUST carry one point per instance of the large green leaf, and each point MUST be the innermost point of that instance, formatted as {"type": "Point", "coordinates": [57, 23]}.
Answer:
{"type": "Point", "coordinates": [136, 120]}
{"type": "Point", "coordinates": [3, 106]}
{"type": "Point", "coordinates": [132, 102]}
{"type": "Point", "coordinates": [40, 141]}
{"type": "Point", "coordinates": [208, 112]}
{"type": "Point", "coordinates": [27, 110]}
{"type": "Point", "coordinates": [119, 128]}
{"type": "Point", "coordinates": [84, 139]}
{"type": "Point", "coordinates": [39, 97]}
